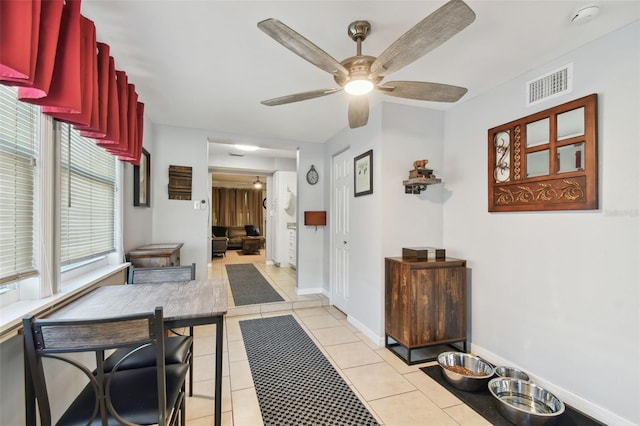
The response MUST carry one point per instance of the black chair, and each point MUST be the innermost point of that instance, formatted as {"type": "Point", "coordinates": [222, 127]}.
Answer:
{"type": "Point", "coordinates": [141, 396]}
{"type": "Point", "coordinates": [177, 348]}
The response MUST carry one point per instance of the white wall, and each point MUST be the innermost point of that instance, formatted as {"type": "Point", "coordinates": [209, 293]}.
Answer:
{"type": "Point", "coordinates": [409, 220]}
{"type": "Point", "coordinates": [365, 301]}
{"type": "Point", "coordinates": [387, 220]}
{"type": "Point", "coordinates": [312, 276]}
{"type": "Point", "coordinates": [137, 221]}
{"type": "Point", "coordinates": [176, 221]}
{"type": "Point", "coordinates": [556, 293]}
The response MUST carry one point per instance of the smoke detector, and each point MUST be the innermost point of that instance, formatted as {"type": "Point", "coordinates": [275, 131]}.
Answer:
{"type": "Point", "coordinates": [585, 14]}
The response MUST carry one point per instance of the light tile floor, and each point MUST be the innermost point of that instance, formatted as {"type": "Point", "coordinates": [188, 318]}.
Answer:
{"type": "Point", "coordinates": [395, 393]}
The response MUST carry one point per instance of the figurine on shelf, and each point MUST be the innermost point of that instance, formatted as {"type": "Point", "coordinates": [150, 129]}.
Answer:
{"type": "Point", "coordinates": [419, 170]}
{"type": "Point", "coordinates": [419, 164]}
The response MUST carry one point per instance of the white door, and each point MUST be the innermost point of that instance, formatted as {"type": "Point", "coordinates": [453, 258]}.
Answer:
{"type": "Point", "coordinates": [341, 195]}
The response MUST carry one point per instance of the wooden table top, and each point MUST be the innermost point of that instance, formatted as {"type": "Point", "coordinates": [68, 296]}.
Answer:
{"type": "Point", "coordinates": [158, 250]}
{"type": "Point", "coordinates": [193, 300]}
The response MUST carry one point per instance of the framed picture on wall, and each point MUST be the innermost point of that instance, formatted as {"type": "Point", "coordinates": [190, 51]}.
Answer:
{"type": "Point", "coordinates": [142, 181]}
{"type": "Point", "coordinates": [363, 174]}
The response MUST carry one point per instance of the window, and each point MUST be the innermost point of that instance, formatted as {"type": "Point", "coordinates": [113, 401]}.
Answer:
{"type": "Point", "coordinates": [87, 195]}
{"type": "Point", "coordinates": [18, 154]}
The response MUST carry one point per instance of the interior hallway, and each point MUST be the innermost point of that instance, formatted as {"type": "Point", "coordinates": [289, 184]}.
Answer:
{"type": "Point", "coordinates": [395, 393]}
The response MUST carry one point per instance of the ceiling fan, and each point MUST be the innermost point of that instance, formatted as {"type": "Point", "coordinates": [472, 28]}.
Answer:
{"type": "Point", "coordinates": [360, 74]}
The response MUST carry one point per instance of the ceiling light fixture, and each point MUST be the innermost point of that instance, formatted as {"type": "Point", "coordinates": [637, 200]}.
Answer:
{"type": "Point", "coordinates": [247, 147]}
{"type": "Point", "coordinates": [257, 184]}
{"type": "Point", "coordinates": [358, 86]}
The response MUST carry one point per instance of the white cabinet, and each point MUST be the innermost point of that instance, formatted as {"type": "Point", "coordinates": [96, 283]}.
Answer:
{"type": "Point", "coordinates": [292, 247]}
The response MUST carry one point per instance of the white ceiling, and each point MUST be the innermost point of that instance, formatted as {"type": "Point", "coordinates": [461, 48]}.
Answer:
{"type": "Point", "coordinates": [228, 148]}
{"type": "Point", "coordinates": [205, 64]}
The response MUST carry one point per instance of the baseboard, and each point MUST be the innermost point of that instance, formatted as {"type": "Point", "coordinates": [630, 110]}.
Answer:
{"type": "Point", "coordinates": [306, 291]}
{"type": "Point", "coordinates": [575, 401]}
{"type": "Point", "coordinates": [379, 341]}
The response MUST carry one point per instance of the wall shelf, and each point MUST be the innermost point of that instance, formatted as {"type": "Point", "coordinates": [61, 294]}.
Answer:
{"type": "Point", "coordinates": [419, 184]}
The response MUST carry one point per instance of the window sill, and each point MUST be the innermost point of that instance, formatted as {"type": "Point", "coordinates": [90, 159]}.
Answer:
{"type": "Point", "coordinates": [12, 314]}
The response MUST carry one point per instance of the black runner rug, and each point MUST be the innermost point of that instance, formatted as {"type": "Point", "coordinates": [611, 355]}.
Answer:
{"type": "Point", "coordinates": [249, 286]}
{"type": "Point", "coordinates": [295, 383]}
{"type": "Point", "coordinates": [482, 402]}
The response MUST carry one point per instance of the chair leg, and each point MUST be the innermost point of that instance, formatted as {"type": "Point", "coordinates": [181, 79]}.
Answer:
{"type": "Point", "coordinates": [181, 418]}
{"type": "Point", "coordinates": [183, 409]}
{"type": "Point", "coordinates": [191, 364]}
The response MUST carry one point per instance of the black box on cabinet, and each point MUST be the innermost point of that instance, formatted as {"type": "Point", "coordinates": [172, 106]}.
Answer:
{"type": "Point", "coordinates": [423, 253]}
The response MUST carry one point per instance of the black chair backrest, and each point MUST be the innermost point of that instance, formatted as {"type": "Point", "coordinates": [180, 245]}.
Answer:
{"type": "Point", "coordinates": [61, 339]}
{"type": "Point", "coordinates": [162, 274]}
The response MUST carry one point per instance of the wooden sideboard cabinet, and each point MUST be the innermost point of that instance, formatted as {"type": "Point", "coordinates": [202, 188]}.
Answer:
{"type": "Point", "coordinates": [425, 307]}
{"type": "Point", "coordinates": [154, 255]}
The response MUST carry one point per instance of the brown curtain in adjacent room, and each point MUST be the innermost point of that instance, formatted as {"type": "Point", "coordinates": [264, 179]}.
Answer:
{"type": "Point", "coordinates": [253, 212]}
{"type": "Point", "coordinates": [236, 206]}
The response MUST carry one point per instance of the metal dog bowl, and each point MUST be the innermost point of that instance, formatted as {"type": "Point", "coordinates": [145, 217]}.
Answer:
{"type": "Point", "coordinates": [525, 403]}
{"type": "Point", "coordinates": [465, 371]}
{"type": "Point", "coordinates": [512, 372]}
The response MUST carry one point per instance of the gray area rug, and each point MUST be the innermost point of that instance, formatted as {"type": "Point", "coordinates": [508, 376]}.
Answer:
{"type": "Point", "coordinates": [296, 385]}
{"type": "Point", "coordinates": [249, 286]}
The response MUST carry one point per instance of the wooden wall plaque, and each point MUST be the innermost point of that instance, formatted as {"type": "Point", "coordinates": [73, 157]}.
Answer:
{"type": "Point", "coordinates": [318, 218]}
{"type": "Point", "coordinates": [546, 161]}
{"type": "Point", "coordinates": [180, 182]}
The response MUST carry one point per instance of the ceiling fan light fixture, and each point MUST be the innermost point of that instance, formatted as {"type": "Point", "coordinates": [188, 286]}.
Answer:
{"type": "Point", "coordinates": [358, 87]}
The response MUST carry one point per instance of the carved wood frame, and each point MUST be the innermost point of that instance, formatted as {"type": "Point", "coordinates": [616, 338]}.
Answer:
{"type": "Point", "coordinates": [573, 190]}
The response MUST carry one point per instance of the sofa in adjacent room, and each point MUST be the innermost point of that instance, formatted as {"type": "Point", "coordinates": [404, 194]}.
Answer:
{"type": "Point", "coordinates": [219, 246]}
{"type": "Point", "coordinates": [236, 234]}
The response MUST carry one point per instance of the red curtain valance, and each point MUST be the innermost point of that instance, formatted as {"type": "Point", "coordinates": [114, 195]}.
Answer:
{"type": "Point", "coordinates": [20, 30]}
{"type": "Point", "coordinates": [86, 76]}
{"type": "Point", "coordinates": [113, 107]}
{"type": "Point", "coordinates": [98, 126]}
{"type": "Point", "coordinates": [122, 91]}
{"type": "Point", "coordinates": [50, 51]}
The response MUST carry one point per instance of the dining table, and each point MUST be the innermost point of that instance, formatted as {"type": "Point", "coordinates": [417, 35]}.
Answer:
{"type": "Point", "coordinates": [186, 304]}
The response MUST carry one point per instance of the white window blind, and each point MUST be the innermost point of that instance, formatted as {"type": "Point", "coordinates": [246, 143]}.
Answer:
{"type": "Point", "coordinates": [18, 152]}
{"type": "Point", "coordinates": [87, 211]}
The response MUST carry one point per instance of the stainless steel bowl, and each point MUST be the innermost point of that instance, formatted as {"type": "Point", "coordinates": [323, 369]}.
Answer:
{"type": "Point", "coordinates": [512, 372]}
{"type": "Point", "coordinates": [482, 369]}
{"type": "Point", "coordinates": [525, 403]}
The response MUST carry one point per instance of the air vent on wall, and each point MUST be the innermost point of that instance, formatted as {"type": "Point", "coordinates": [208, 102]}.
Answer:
{"type": "Point", "coordinates": [550, 85]}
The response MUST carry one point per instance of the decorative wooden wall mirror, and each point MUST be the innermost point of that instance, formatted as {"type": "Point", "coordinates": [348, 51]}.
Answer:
{"type": "Point", "coordinates": [546, 161]}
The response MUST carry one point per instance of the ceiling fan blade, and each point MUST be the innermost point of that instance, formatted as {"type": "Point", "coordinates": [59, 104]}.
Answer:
{"type": "Point", "coordinates": [358, 111]}
{"type": "Point", "coordinates": [301, 46]}
{"type": "Point", "coordinates": [297, 97]}
{"type": "Point", "coordinates": [423, 91]}
{"type": "Point", "coordinates": [425, 36]}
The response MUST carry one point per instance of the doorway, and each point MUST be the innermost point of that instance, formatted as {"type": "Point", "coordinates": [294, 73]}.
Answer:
{"type": "Point", "coordinates": [239, 166]}
{"type": "Point", "coordinates": [340, 196]}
